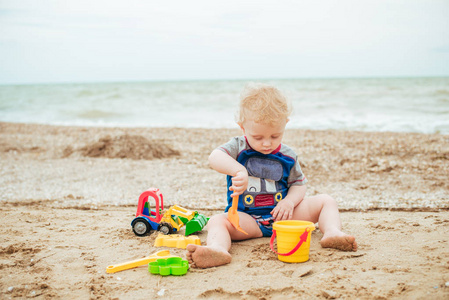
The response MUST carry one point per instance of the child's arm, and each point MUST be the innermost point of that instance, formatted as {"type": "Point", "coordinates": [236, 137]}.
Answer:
{"type": "Point", "coordinates": [284, 209]}
{"type": "Point", "coordinates": [225, 164]}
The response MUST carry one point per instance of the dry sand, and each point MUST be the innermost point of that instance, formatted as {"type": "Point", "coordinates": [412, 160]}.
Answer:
{"type": "Point", "coordinates": [69, 194]}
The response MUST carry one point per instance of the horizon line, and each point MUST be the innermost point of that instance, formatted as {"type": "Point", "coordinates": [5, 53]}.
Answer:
{"type": "Point", "coordinates": [221, 79]}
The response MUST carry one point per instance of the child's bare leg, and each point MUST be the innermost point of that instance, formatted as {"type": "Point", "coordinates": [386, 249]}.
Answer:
{"type": "Point", "coordinates": [218, 244]}
{"type": "Point", "coordinates": [324, 210]}
{"type": "Point", "coordinates": [220, 234]}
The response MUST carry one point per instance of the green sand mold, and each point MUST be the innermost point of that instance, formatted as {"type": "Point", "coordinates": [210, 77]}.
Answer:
{"type": "Point", "coordinates": [169, 266]}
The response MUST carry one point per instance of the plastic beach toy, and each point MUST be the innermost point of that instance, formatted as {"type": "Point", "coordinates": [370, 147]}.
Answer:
{"type": "Point", "coordinates": [170, 221]}
{"type": "Point", "coordinates": [293, 240]}
{"type": "Point", "coordinates": [164, 254]}
{"type": "Point", "coordinates": [170, 266]}
{"type": "Point", "coordinates": [176, 240]}
{"type": "Point", "coordinates": [233, 215]}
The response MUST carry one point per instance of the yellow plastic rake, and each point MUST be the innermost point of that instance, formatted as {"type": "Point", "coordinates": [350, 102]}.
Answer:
{"type": "Point", "coordinates": [139, 262]}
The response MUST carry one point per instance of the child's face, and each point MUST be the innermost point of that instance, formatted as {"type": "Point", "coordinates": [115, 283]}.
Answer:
{"type": "Point", "coordinates": [263, 138]}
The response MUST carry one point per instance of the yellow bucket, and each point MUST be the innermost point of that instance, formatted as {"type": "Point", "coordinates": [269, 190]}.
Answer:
{"type": "Point", "coordinates": [293, 240]}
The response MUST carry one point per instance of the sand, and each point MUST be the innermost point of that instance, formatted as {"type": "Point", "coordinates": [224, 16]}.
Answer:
{"type": "Point", "coordinates": [69, 194]}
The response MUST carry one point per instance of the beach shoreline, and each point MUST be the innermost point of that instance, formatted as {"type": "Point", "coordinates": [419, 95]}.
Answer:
{"type": "Point", "coordinates": [69, 195]}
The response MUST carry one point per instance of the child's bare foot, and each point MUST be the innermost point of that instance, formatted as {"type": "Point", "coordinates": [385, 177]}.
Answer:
{"type": "Point", "coordinates": [206, 257]}
{"type": "Point", "coordinates": [339, 240]}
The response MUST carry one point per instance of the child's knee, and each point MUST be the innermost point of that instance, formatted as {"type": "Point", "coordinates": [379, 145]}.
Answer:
{"type": "Point", "coordinates": [217, 220]}
{"type": "Point", "coordinates": [328, 200]}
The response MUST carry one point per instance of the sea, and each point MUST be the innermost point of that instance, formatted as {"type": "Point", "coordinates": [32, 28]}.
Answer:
{"type": "Point", "coordinates": [360, 104]}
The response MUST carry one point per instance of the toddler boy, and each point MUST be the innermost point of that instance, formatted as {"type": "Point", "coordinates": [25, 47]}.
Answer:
{"type": "Point", "coordinates": [267, 177]}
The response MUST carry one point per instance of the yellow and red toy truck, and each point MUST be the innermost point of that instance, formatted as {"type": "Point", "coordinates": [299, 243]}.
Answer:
{"type": "Point", "coordinates": [171, 221]}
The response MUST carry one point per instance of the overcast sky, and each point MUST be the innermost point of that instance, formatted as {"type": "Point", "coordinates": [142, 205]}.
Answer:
{"type": "Point", "coordinates": [43, 41]}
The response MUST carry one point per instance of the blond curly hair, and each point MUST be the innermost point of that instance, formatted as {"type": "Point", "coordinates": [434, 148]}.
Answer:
{"type": "Point", "coordinates": [263, 104]}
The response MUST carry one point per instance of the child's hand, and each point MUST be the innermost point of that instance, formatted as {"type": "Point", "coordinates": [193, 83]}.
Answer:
{"type": "Point", "coordinates": [283, 210]}
{"type": "Point", "coordinates": [239, 183]}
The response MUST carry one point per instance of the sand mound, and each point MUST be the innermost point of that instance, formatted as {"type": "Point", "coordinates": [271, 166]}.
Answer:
{"type": "Point", "coordinates": [15, 147]}
{"type": "Point", "coordinates": [129, 146]}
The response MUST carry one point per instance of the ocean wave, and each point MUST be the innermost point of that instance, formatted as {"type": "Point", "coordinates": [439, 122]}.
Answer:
{"type": "Point", "coordinates": [441, 93]}
{"type": "Point", "coordinates": [85, 93]}
{"type": "Point", "coordinates": [97, 114]}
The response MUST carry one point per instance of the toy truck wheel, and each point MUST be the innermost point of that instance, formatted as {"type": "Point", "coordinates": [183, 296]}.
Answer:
{"type": "Point", "coordinates": [141, 226]}
{"type": "Point", "coordinates": [165, 228]}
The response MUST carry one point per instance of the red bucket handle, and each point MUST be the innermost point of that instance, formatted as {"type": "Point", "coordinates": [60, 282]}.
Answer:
{"type": "Point", "coordinates": [302, 239]}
